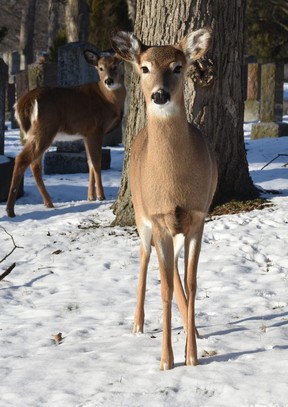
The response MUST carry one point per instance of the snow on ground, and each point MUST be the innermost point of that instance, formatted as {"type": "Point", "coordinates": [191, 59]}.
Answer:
{"type": "Point", "coordinates": [77, 275]}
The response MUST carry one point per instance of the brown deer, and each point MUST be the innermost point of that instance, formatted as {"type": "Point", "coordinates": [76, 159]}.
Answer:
{"type": "Point", "coordinates": [173, 177]}
{"type": "Point", "coordinates": [89, 110]}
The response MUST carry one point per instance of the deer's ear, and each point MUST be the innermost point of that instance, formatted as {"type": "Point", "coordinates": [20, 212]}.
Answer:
{"type": "Point", "coordinates": [127, 45]}
{"type": "Point", "coordinates": [91, 57]}
{"type": "Point", "coordinates": [196, 44]}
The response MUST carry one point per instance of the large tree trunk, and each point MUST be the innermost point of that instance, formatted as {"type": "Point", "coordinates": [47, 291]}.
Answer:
{"type": "Point", "coordinates": [217, 109]}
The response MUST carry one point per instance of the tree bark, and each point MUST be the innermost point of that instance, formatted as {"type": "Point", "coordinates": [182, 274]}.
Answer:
{"type": "Point", "coordinates": [27, 33]}
{"type": "Point", "coordinates": [217, 109]}
{"type": "Point", "coordinates": [53, 20]}
{"type": "Point", "coordinates": [77, 20]}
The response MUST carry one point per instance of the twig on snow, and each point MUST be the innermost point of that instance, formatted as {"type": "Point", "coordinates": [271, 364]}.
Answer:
{"type": "Point", "coordinates": [14, 244]}
{"type": "Point", "coordinates": [275, 158]}
{"type": "Point", "coordinates": [8, 271]}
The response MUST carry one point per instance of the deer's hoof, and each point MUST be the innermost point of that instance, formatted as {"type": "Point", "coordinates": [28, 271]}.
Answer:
{"type": "Point", "coordinates": [191, 361]}
{"type": "Point", "coordinates": [10, 213]}
{"type": "Point", "coordinates": [138, 329]}
{"type": "Point", "coordinates": [166, 364]}
{"type": "Point", "coordinates": [167, 359]}
{"type": "Point", "coordinates": [49, 205]}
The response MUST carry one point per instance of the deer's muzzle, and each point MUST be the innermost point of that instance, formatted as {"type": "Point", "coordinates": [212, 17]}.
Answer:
{"type": "Point", "coordinates": [109, 81]}
{"type": "Point", "coordinates": [160, 97]}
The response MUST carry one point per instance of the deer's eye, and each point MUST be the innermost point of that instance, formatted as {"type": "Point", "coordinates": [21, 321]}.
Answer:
{"type": "Point", "coordinates": [177, 69]}
{"type": "Point", "coordinates": [145, 69]}
{"type": "Point", "coordinates": [101, 68]}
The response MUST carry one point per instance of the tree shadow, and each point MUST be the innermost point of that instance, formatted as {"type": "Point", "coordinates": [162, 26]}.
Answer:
{"type": "Point", "coordinates": [261, 318]}
{"type": "Point", "coordinates": [270, 175]}
{"type": "Point", "coordinates": [235, 355]}
{"type": "Point", "coordinates": [70, 206]}
{"type": "Point", "coordinates": [29, 284]}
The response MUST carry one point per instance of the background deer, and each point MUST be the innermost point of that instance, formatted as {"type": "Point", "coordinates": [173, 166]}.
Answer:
{"type": "Point", "coordinates": [173, 177]}
{"type": "Point", "coordinates": [90, 111]}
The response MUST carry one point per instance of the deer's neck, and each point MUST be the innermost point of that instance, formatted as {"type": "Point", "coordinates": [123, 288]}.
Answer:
{"type": "Point", "coordinates": [113, 96]}
{"type": "Point", "coordinates": [168, 134]}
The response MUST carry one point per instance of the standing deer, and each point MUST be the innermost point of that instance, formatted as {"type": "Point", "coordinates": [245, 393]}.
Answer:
{"type": "Point", "coordinates": [89, 110]}
{"type": "Point", "coordinates": [173, 177]}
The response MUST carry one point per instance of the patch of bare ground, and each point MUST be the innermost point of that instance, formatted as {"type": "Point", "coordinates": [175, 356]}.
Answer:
{"type": "Point", "coordinates": [234, 206]}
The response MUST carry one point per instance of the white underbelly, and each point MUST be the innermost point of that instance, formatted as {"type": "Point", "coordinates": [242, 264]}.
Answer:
{"type": "Point", "coordinates": [68, 137]}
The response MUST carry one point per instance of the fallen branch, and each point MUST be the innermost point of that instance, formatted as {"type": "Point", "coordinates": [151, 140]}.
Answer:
{"type": "Point", "coordinates": [14, 244]}
{"type": "Point", "coordinates": [279, 155]}
{"type": "Point", "coordinates": [8, 271]}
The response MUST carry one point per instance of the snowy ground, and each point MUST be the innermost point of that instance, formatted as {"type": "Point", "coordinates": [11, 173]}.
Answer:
{"type": "Point", "coordinates": [76, 275]}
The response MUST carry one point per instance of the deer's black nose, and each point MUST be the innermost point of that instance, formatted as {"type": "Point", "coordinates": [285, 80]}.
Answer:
{"type": "Point", "coordinates": [160, 97]}
{"type": "Point", "coordinates": [109, 81]}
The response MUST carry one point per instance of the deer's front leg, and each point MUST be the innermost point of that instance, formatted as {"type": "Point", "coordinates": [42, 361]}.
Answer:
{"type": "Point", "coordinates": [164, 247]}
{"type": "Point", "coordinates": [139, 312]}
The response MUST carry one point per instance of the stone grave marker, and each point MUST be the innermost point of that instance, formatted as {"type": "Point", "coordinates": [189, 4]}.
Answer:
{"type": "Point", "coordinates": [6, 163]}
{"type": "Point", "coordinates": [271, 103]}
{"type": "Point", "coordinates": [251, 112]}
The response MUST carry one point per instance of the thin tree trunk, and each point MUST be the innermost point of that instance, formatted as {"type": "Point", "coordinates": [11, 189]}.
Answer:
{"type": "Point", "coordinates": [131, 4]}
{"type": "Point", "coordinates": [53, 20]}
{"type": "Point", "coordinates": [27, 33]}
{"type": "Point", "coordinates": [83, 20]}
{"type": "Point", "coordinates": [77, 20]}
{"type": "Point", "coordinates": [71, 20]}
{"type": "Point", "coordinates": [217, 109]}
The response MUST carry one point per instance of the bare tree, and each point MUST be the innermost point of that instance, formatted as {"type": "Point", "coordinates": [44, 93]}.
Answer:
{"type": "Point", "coordinates": [131, 4]}
{"type": "Point", "coordinates": [77, 20]}
{"type": "Point", "coordinates": [53, 20]}
{"type": "Point", "coordinates": [27, 32]}
{"type": "Point", "coordinates": [214, 91]}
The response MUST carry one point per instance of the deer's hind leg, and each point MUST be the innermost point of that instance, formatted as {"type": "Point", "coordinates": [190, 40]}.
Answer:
{"type": "Point", "coordinates": [29, 153]}
{"type": "Point", "coordinates": [180, 296]}
{"type": "Point", "coordinates": [36, 168]}
{"type": "Point", "coordinates": [93, 147]}
{"type": "Point", "coordinates": [192, 251]}
{"type": "Point", "coordinates": [145, 250]}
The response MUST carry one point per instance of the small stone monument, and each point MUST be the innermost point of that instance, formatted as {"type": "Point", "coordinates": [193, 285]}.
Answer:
{"type": "Point", "coordinates": [6, 163]}
{"type": "Point", "coordinates": [3, 84]}
{"type": "Point", "coordinates": [251, 113]}
{"type": "Point", "coordinates": [271, 103]}
{"type": "Point", "coordinates": [12, 59]}
{"type": "Point", "coordinates": [42, 74]}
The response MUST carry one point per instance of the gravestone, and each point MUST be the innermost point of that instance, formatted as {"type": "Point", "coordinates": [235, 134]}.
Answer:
{"type": "Point", "coordinates": [72, 66]}
{"type": "Point", "coordinates": [251, 112]}
{"type": "Point", "coordinates": [12, 59]}
{"type": "Point", "coordinates": [6, 163]}
{"type": "Point", "coordinates": [3, 84]}
{"type": "Point", "coordinates": [42, 74]}
{"type": "Point", "coordinates": [271, 103]}
{"type": "Point", "coordinates": [73, 70]}
{"type": "Point", "coordinates": [11, 96]}
{"type": "Point", "coordinates": [285, 96]}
